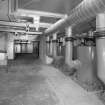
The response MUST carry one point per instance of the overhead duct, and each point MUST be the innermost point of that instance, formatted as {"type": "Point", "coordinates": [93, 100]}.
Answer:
{"type": "Point", "coordinates": [85, 10]}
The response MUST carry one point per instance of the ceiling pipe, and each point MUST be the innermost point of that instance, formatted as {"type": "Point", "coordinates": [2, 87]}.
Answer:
{"type": "Point", "coordinates": [85, 10]}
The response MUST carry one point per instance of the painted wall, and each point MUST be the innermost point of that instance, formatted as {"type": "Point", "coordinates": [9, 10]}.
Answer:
{"type": "Point", "coordinates": [3, 38]}
{"type": "Point", "coordinates": [25, 48]}
{"type": "Point", "coordinates": [17, 48]}
{"type": "Point", "coordinates": [3, 43]}
{"type": "Point", "coordinates": [10, 46]}
{"type": "Point", "coordinates": [30, 48]}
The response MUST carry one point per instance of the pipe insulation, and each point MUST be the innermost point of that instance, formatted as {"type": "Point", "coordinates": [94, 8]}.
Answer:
{"type": "Point", "coordinates": [85, 10]}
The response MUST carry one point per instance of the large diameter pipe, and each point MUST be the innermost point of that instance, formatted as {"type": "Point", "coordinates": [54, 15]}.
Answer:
{"type": "Point", "coordinates": [86, 55]}
{"type": "Point", "coordinates": [85, 10]}
{"type": "Point", "coordinates": [100, 46]}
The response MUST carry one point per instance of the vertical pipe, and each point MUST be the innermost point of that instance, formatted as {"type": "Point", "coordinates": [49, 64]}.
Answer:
{"type": "Point", "coordinates": [100, 46]}
{"type": "Point", "coordinates": [51, 46]}
{"type": "Point", "coordinates": [47, 45]}
{"type": "Point", "coordinates": [10, 46]}
{"type": "Point", "coordinates": [60, 47]}
{"type": "Point", "coordinates": [54, 41]}
{"type": "Point", "coordinates": [42, 49]}
{"type": "Point", "coordinates": [48, 59]}
{"type": "Point", "coordinates": [68, 50]}
{"type": "Point", "coordinates": [100, 43]}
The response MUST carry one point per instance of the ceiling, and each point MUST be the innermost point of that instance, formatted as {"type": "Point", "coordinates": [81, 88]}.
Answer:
{"type": "Point", "coordinates": [55, 6]}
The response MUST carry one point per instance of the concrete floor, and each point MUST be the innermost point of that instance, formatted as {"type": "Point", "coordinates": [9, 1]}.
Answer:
{"type": "Point", "coordinates": [31, 83]}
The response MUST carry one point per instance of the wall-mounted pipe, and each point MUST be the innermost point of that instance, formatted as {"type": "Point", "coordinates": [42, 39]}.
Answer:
{"type": "Point", "coordinates": [85, 10]}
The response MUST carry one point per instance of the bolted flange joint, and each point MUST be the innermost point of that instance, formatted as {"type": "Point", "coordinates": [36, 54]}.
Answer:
{"type": "Point", "coordinates": [86, 40]}
{"type": "Point", "coordinates": [48, 41]}
{"type": "Point", "coordinates": [54, 41]}
{"type": "Point", "coordinates": [100, 34]}
{"type": "Point", "coordinates": [71, 39]}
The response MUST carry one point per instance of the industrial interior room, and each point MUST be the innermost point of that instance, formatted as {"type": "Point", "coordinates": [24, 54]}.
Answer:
{"type": "Point", "coordinates": [52, 52]}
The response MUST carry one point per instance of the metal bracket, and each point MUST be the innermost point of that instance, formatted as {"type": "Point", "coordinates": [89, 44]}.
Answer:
{"type": "Point", "coordinates": [67, 39]}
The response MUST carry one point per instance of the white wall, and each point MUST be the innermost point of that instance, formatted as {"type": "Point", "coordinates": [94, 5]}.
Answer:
{"type": "Point", "coordinates": [10, 46]}
{"type": "Point", "coordinates": [30, 48]}
{"type": "Point", "coordinates": [3, 43]}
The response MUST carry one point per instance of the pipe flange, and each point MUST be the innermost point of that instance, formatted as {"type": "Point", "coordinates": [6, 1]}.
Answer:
{"type": "Point", "coordinates": [86, 40]}
{"type": "Point", "coordinates": [100, 34]}
{"type": "Point", "coordinates": [84, 37]}
{"type": "Point", "coordinates": [54, 41]}
{"type": "Point", "coordinates": [48, 41]}
{"type": "Point", "coordinates": [67, 39]}
{"type": "Point", "coordinates": [90, 41]}
{"type": "Point", "coordinates": [60, 43]}
{"type": "Point", "coordinates": [90, 44]}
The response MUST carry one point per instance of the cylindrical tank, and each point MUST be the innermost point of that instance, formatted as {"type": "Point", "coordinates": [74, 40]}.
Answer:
{"type": "Point", "coordinates": [100, 45]}
{"type": "Point", "coordinates": [86, 55]}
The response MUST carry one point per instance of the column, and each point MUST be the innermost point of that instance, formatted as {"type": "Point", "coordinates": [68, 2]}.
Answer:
{"type": "Point", "coordinates": [68, 49]}
{"type": "Point", "coordinates": [54, 42]}
{"type": "Point", "coordinates": [10, 46]}
{"type": "Point", "coordinates": [100, 45]}
{"type": "Point", "coordinates": [3, 50]}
